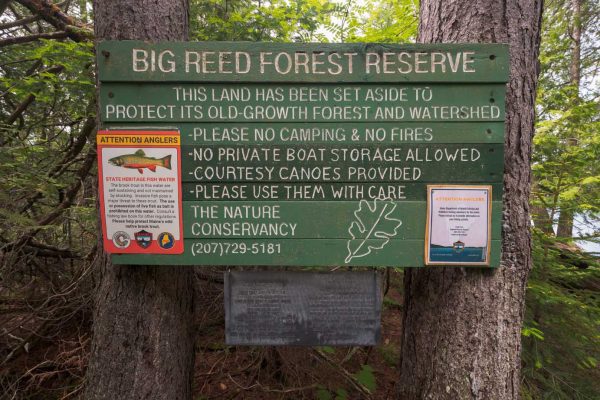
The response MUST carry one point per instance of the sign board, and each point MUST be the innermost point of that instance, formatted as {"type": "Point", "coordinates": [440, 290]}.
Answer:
{"type": "Point", "coordinates": [302, 308]}
{"type": "Point", "coordinates": [312, 154]}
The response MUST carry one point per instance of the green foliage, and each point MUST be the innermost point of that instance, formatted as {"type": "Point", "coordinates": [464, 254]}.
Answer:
{"type": "Point", "coordinates": [366, 377]}
{"type": "Point", "coordinates": [341, 394]}
{"type": "Point", "coordinates": [561, 344]}
{"type": "Point", "coordinates": [244, 20]}
{"type": "Point", "coordinates": [387, 21]}
{"type": "Point", "coordinates": [529, 331]}
{"type": "Point", "coordinates": [58, 77]}
{"type": "Point", "coordinates": [390, 354]}
{"type": "Point", "coordinates": [567, 141]}
{"type": "Point", "coordinates": [327, 349]}
{"type": "Point", "coordinates": [323, 394]}
{"type": "Point", "coordinates": [392, 304]}
{"type": "Point", "coordinates": [566, 171]}
{"type": "Point", "coordinates": [305, 20]}
{"type": "Point", "coordinates": [48, 216]}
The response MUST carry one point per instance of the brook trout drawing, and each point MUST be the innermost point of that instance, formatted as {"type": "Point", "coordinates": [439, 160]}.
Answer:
{"type": "Point", "coordinates": [139, 161]}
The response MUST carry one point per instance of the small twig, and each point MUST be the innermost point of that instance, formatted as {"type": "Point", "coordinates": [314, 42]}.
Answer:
{"type": "Point", "coordinates": [208, 277]}
{"type": "Point", "coordinates": [240, 386]}
{"type": "Point", "coordinates": [58, 19]}
{"type": "Point", "coordinates": [32, 38]}
{"type": "Point", "coordinates": [70, 194]}
{"type": "Point", "coordinates": [387, 281]}
{"type": "Point", "coordinates": [20, 109]}
{"type": "Point", "coordinates": [369, 350]}
{"type": "Point", "coordinates": [350, 354]}
{"type": "Point", "coordinates": [264, 389]}
{"type": "Point", "coordinates": [342, 371]}
{"type": "Point", "coordinates": [18, 16]}
{"type": "Point", "coordinates": [34, 336]}
{"type": "Point", "coordinates": [19, 22]}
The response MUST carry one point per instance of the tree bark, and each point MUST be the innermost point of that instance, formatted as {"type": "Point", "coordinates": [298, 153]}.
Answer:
{"type": "Point", "coordinates": [462, 326]}
{"type": "Point", "coordinates": [143, 335]}
{"type": "Point", "coordinates": [565, 219]}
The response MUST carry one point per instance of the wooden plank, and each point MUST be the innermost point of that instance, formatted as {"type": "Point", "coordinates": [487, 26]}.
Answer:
{"type": "Point", "coordinates": [462, 155]}
{"type": "Point", "coordinates": [341, 133]}
{"type": "Point", "coordinates": [330, 133]}
{"type": "Point", "coordinates": [168, 103]}
{"type": "Point", "coordinates": [300, 62]}
{"type": "Point", "coordinates": [487, 168]}
{"type": "Point", "coordinates": [485, 172]}
{"type": "Point", "coordinates": [310, 191]}
{"type": "Point", "coordinates": [301, 253]}
{"type": "Point", "coordinates": [301, 220]}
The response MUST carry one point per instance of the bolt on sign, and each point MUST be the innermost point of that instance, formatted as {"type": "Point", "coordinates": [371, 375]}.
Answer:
{"type": "Point", "coordinates": [302, 154]}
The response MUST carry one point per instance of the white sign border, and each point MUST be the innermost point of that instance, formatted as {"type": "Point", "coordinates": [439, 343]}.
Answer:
{"type": "Point", "coordinates": [427, 261]}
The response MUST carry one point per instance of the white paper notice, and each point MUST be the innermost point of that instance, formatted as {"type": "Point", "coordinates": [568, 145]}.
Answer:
{"type": "Point", "coordinates": [458, 225]}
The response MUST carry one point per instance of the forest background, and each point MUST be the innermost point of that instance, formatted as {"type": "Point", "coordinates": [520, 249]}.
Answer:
{"type": "Point", "coordinates": [48, 217]}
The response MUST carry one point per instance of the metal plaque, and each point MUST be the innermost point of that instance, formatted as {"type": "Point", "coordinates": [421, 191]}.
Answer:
{"type": "Point", "coordinates": [302, 308]}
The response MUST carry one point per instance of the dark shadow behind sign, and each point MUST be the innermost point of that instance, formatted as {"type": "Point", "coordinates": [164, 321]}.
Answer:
{"type": "Point", "coordinates": [302, 308]}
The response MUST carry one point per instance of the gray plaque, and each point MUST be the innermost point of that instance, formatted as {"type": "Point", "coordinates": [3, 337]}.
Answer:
{"type": "Point", "coordinates": [302, 308]}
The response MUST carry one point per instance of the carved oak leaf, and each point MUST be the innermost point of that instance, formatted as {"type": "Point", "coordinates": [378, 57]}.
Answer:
{"type": "Point", "coordinates": [373, 227]}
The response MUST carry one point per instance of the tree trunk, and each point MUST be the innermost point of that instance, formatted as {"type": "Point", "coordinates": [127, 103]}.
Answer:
{"type": "Point", "coordinates": [565, 219]}
{"type": "Point", "coordinates": [462, 326]}
{"type": "Point", "coordinates": [143, 343]}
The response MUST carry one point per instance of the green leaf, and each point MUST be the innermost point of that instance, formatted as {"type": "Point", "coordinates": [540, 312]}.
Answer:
{"type": "Point", "coordinates": [532, 332]}
{"type": "Point", "coordinates": [327, 349]}
{"type": "Point", "coordinates": [341, 394]}
{"type": "Point", "coordinates": [323, 394]}
{"type": "Point", "coordinates": [366, 377]}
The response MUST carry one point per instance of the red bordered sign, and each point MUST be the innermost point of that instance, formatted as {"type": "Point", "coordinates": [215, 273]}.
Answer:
{"type": "Point", "coordinates": [139, 176]}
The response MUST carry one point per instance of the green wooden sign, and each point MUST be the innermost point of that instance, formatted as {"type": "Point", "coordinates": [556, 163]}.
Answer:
{"type": "Point", "coordinates": [313, 154]}
{"type": "Point", "coordinates": [322, 220]}
{"type": "Point", "coordinates": [304, 133]}
{"type": "Point", "coordinates": [311, 191]}
{"type": "Point", "coordinates": [135, 61]}
{"type": "Point", "coordinates": [126, 102]}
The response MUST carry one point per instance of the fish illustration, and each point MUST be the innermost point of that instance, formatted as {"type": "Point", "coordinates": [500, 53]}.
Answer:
{"type": "Point", "coordinates": [139, 161]}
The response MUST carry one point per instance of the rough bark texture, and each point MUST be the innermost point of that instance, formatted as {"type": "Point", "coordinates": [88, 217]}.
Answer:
{"type": "Point", "coordinates": [143, 344]}
{"type": "Point", "coordinates": [462, 327]}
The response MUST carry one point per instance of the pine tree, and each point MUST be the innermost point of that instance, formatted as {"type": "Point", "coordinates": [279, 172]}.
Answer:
{"type": "Point", "coordinates": [462, 326]}
{"type": "Point", "coordinates": [143, 340]}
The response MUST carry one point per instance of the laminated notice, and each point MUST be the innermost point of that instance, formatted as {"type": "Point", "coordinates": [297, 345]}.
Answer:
{"type": "Point", "coordinates": [139, 176]}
